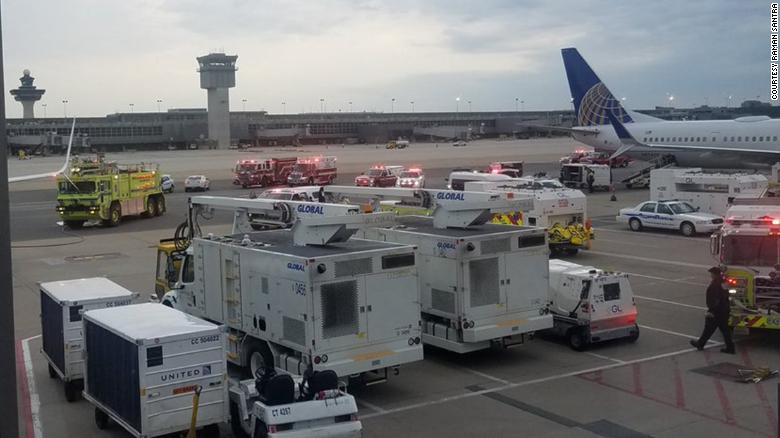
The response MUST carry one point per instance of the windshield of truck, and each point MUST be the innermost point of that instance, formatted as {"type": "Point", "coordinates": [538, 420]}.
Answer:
{"type": "Point", "coordinates": [247, 167]}
{"type": "Point", "coordinates": [410, 174]}
{"type": "Point", "coordinates": [750, 250]}
{"type": "Point", "coordinates": [73, 187]}
{"type": "Point", "coordinates": [682, 208]}
{"type": "Point", "coordinates": [375, 172]}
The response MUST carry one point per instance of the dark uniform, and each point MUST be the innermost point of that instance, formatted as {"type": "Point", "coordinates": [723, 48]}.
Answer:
{"type": "Point", "coordinates": [718, 309]}
{"type": "Point", "coordinates": [590, 180]}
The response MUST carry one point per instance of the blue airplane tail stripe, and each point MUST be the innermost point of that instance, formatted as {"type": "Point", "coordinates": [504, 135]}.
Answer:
{"type": "Point", "coordinates": [591, 97]}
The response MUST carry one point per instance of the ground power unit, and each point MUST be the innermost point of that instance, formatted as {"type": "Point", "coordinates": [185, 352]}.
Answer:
{"type": "Point", "coordinates": [144, 362]}
{"type": "Point", "coordinates": [62, 303]}
{"type": "Point", "coordinates": [479, 286]}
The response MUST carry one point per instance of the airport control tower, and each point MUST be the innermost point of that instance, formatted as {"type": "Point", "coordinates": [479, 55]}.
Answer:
{"type": "Point", "coordinates": [27, 94]}
{"type": "Point", "coordinates": [217, 74]}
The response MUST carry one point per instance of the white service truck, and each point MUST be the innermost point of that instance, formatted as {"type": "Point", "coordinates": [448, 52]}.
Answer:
{"type": "Point", "coordinates": [560, 210]}
{"type": "Point", "coordinates": [309, 297]}
{"type": "Point", "coordinates": [707, 191]}
{"type": "Point", "coordinates": [480, 284]}
{"type": "Point", "coordinates": [577, 175]}
{"type": "Point", "coordinates": [591, 305]}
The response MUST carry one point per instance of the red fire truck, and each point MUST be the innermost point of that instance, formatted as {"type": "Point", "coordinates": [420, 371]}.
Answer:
{"type": "Point", "coordinates": [264, 173]}
{"type": "Point", "coordinates": [313, 170]}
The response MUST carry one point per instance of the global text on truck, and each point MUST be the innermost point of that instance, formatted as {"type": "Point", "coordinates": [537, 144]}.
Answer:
{"type": "Point", "coordinates": [97, 190]}
{"type": "Point", "coordinates": [748, 249]}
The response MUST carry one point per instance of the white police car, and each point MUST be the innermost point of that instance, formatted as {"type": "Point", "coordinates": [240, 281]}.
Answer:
{"type": "Point", "coordinates": [411, 178]}
{"type": "Point", "coordinates": [673, 215]}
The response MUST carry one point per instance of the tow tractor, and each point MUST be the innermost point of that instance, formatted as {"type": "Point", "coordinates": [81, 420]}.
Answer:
{"type": "Point", "coordinates": [747, 247]}
{"type": "Point", "coordinates": [562, 211]}
{"type": "Point", "coordinates": [481, 285]}
{"type": "Point", "coordinates": [279, 404]}
{"type": "Point", "coordinates": [591, 305]}
{"type": "Point", "coordinates": [97, 190]}
{"type": "Point", "coordinates": [304, 295]}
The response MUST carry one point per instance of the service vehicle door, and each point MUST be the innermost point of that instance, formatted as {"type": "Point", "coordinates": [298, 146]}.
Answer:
{"type": "Point", "coordinates": [390, 305]}
{"type": "Point", "coordinates": [440, 291]}
{"type": "Point", "coordinates": [610, 301]}
{"type": "Point", "coordinates": [340, 313]}
{"type": "Point", "coordinates": [664, 216]}
{"type": "Point", "coordinates": [211, 274]}
{"type": "Point", "coordinates": [484, 279]}
{"type": "Point", "coordinates": [526, 288]}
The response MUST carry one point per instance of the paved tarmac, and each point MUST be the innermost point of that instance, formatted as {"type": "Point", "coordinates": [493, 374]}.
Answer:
{"type": "Point", "coordinates": [650, 388]}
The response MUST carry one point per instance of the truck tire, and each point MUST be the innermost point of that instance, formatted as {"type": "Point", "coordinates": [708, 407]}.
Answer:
{"type": "Point", "coordinates": [687, 229]}
{"type": "Point", "coordinates": [311, 180]}
{"type": "Point", "coordinates": [74, 224]}
{"type": "Point", "coordinates": [258, 355]}
{"type": "Point", "coordinates": [576, 339]}
{"type": "Point", "coordinates": [102, 420]}
{"type": "Point", "coordinates": [114, 215]}
{"type": "Point", "coordinates": [210, 431]}
{"type": "Point", "coordinates": [236, 421]}
{"type": "Point", "coordinates": [152, 207]}
{"type": "Point", "coordinates": [635, 224]}
{"type": "Point", "coordinates": [72, 391]}
{"type": "Point", "coordinates": [261, 430]}
{"type": "Point", "coordinates": [634, 336]}
{"type": "Point", "coordinates": [160, 205]}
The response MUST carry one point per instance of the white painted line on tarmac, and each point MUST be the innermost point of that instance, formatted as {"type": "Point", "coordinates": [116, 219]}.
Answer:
{"type": "Point", "coordinates": [601, 356]}
{"type": "Point", "coordinates": [670, 332]}
{"type": "Point", "coordinates": [471, 394]}
{"type": "Point", "coordinates": [675, 303]}
{"type": "Point", "coordinates": [487, 376]}
{"type": "Point", "coordinates": [649, 260]}
{"type": "Point", "coordinates": [35, 402]}
{"type": "Point", "coordinates": [371, 406]}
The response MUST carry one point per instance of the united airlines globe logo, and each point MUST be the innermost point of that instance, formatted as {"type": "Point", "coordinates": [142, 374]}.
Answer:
{"type": "Point", "coordinates": [594, 106]}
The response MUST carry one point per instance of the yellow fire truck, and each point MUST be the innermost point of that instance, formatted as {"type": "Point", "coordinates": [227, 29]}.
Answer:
{"type": "Point", "coordinates": [97, 190]}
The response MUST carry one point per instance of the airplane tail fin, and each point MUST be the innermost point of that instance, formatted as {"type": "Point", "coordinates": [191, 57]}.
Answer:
{"type": "Point", "coordinates": [592, 99]}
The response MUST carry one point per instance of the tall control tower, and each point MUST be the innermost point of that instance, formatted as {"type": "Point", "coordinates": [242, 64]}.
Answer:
{"type": "Point", "coordinates": [27, 94]}
{"type": "Point", "coordinates": [217, 74]}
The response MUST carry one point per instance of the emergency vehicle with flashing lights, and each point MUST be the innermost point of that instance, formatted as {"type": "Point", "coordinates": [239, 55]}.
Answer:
{"type": "Point", "coordinates": [670, 215]}
{"type": "Point", "coordinates": [264, 173]}
{"type": "Point", "coordinates": [561, 210]}
{"type": "Point", "coordinates": [513, 169]}
{"type": "Point", "coordinates": [379, 176]}
{"type": "Point", "coordinates": [605, 158]}
{"type": "Point", "coordinates": [411, 178]}
{"type": "Point", "coordinates": [97, 190]}
{"type": "Point", "coordinates": [591, 305]}
{"type": "Point", "coordinates": [747, 248]}
{"type": "Point", "coordinates": [313, 170]}
{"type": "Point", "coordinates": [573, 157]}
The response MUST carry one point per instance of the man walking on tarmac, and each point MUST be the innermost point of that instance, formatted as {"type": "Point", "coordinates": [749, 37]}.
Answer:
{"type": "Point", "coordinates": [717, 313]}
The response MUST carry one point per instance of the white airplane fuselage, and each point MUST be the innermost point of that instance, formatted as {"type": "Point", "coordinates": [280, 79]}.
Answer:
{"type": "Point", "coordinates": [754, 134]}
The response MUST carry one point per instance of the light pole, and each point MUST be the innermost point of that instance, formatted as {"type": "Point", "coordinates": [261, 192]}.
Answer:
{"type": "Point", "coordinates": [728, 105]}
{"type": "Point", "coordinates": [457, 105]}
{"type": "Point", "coordinates": [284, 107]}
{"type": "Point", "coordinates": [522, 105]}
{"type": "Point", "coordinates": [469, 106]}
{"type": "Point", "coordinates": [243, 105]}
{"type": "Point", "coordinates": [322, 105]}
{"type": "Point", "coordinates": [392, 105]}
{"type": "Point", "coordinates": [159, 101]}
{"type": "Point", "coordinates": [350, 106]}
{"type": "Point", "coordinates": [65, 108]}
{"type": "Point", "coordinates": [44, 110]}
{"type": "Point", "coordinates": [412, 103]}
{"type": "Point", "coordinates": [131, 105]}
{"type": "Point", "coordinates": [517, 104]}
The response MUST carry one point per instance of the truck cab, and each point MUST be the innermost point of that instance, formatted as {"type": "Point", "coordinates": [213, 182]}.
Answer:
{"type": "Point", "coordinates": [379, 176]}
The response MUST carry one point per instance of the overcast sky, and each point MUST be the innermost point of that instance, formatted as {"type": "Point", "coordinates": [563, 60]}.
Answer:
{"type": "Point", "coordinates": [102, 55]}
